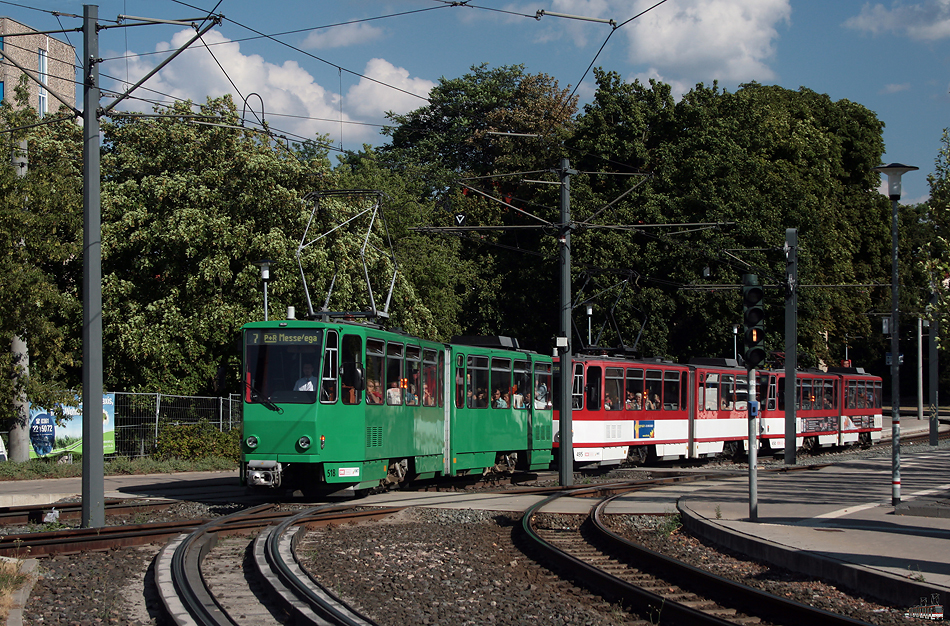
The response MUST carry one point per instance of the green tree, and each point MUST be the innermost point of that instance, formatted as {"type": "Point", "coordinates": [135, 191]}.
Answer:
{"type": "Point", "coordinates": [40, 228]}
{"type": "Point", "coordinates": [188, 209]}
{"type": "Point", "coordinates": [462, 149]}
{"type": "Point", "coordinates": [936, 262]}
{"type": "Point", "coordinates": [756, 161]}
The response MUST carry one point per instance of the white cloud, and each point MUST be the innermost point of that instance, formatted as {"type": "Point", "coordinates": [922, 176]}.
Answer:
{"type": "Point", "coordinates": [286, 89]}
{"type": "Point", "coordinates": [678, 88]}
{"type": "Point", "coordinates": [372, 99]}
{"type": "Point", "coordinates": [691, 40]}
{"type": "Point", "coordinates": [928, 20]}
{"type": "Point", "coordinates": [341, 36]}
{"type": "Point", "coordinates": [895, 87]}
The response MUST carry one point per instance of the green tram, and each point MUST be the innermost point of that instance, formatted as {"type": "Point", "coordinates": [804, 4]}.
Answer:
{"type": "Point", "coordinates": [344, 406]}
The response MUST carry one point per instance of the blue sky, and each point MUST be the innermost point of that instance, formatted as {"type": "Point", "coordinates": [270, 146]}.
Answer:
{"type": "Point", "coordinates": [892, 57]}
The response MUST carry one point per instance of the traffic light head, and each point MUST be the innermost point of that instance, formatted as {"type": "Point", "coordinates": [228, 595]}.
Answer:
{"type": "Point", "coordinates": [753, 318]}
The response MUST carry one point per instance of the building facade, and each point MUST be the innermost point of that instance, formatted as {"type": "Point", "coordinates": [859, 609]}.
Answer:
{"type": "Point", "coordinates": [51, 60]}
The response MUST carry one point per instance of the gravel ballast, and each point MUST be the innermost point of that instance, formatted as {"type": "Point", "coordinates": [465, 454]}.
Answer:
{"type": "Point", "coordinates": [430, 566]}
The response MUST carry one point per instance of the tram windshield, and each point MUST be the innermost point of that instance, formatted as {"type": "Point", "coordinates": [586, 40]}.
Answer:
{"type": "Point", "coordinates": [282, 365]}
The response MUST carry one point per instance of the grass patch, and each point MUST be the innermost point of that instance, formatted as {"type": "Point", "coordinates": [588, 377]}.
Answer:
{"type": "Point", "coordinates": [42, 468]}
{"type": "Point", "coordinates": [10, 580]}
{"type": "Point", "coordinates": [670, 525]}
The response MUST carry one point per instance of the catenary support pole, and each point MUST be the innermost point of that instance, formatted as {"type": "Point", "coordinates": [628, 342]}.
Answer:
{"type": "Point", "coordinates": [565, 425]}
{"type": "Point", "coordinates": [933, 382]}
{"type": "Point", "coordinates": [93, 483]}
{"type": "Point", "coordinates": [920, 368]}
{"type": "Point", "coordinates": [791, 340]}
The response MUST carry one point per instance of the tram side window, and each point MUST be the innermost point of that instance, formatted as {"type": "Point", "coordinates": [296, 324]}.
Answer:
{"type": "Point", "coordinates": [593, 387]}
{"type": "Point", "coordinates": [351, 356]}
{"type": "Point", "coordinates": [375, 365]}
{"type": "Point", "coordinates": [798, 393]}
{"type": "Point", "coordinates": [330, 368]}
{"type": "Point", "coordinates": [613, 398]}
{"type": "Point", "coordinates": [863, 401]}
{"type": "Point", "coordinates": [830, 400]}
{"type": "Point", "coordinates": [412, 386]}
{"type": "Point", "coordinates": [767, 384]}
{"type": "Point", "coordinates": [459, 381]}
{"type": "Point", "coordinates": [726, 400]}
{"type": "Point", "coordinates": [652, 400]}
{"type": "Point", "coordinates": [500, 383]}
{"type": "Point", "coordinates": [684, 390]}
{"type": "Point", "coordinates": [808, 394]}
{"type": "Point", "coordinates": [477, 382]}
{"type": "Point", "coordinates": [712, 391]}
{"type": "Point", "coordinates": [781, 394]}
{"type": "Point", "coordinates": [521, 385]}
{"type": "Point", "coordinates": [394, 353]}
{"type": "Point", "coordinates": [577, 392]}
{"type": "Point", "coordinates": [877, 394]}
{"type": "Point", "coordinates": [542, 386]}
{"type": "Point", "coordinates": [634, 389]}
{"type": "Point", "coordinates": [671, 390]}
{"type": "Point", "coordinates": [851, 402]}
{"type": "Point", "coordinates": [741, 397]}
{"type": "Point", "coordinates": [440, 385]}
{"type": "Point", "coordinates": [430, 378]}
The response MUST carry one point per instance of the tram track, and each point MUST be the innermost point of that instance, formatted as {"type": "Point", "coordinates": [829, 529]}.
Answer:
{"type": "Point", "coordinates": [193, 595]}
{"type": "Point", "coordinates": [237, 541]}
{"type": "Point", "coordinates": [657, 587]}
{"type": "Point", "coordinates": [34, 514]}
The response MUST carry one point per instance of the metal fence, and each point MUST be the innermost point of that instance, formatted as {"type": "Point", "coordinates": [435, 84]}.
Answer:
{"type": "Point", "coordinates": [140, 417]}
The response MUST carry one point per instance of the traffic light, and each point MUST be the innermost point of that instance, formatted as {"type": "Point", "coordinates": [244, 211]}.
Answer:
{"type": "Point", "coordinates": [753, 321]}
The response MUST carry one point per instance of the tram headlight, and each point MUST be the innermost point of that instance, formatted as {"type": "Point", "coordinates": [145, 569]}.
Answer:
{"type": "Point", "coordinates": [251, 442]}
{"type": "Point", "coordinates": [304, 442]}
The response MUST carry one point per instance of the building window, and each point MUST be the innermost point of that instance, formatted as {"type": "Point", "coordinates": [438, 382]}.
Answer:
{"type": "Point", "coordinates": [41, 105]}
{"type": "Point", "coordinates": [1, 90]}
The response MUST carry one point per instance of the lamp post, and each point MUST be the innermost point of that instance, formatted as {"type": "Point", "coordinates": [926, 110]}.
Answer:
{"type": "Point", "coordinates": [590, 311]}
{"type": "Point", "coordinates": [894, 171]}
{"type": "Point", "coordinates": [735, 348]}
{"type": "Point", "coordinates": [265, 276]}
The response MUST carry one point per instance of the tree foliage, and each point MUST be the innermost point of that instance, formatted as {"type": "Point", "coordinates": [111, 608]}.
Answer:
{"type": "Point", "coordinates": [470, 147]}
{"type": "Point", "coordinates": [754, 163]}
{"type": "Point", "coordinates": [189, 205]}
{"type": "Point", "coordinates": [40, 270]}
{"type": "Point", "coordinates": [188, 209]}
{"type": "Point", "coordinates": [936, 261]}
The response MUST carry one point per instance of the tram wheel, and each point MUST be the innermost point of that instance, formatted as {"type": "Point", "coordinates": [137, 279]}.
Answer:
{"type": "Point", "coordinates": [810, 445]}
{"type": "Point", "coordinates": [638, 455]}
{"type": "Point", "coordinates": [730, 449]}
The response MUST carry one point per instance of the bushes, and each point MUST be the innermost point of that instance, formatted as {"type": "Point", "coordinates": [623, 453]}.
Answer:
{"type": "Point", "coordinates": [198, 441]}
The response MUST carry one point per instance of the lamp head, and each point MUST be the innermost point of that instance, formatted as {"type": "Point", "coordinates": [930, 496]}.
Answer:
{"type": "Point", "coordinates": [265, 269]}
{"type": "Point", "coordinates": [894, 171]}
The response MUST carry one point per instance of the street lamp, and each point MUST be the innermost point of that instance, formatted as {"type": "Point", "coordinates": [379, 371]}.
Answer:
{"type": "Point", "coordinates": [894, 171]}
{"type": "Point", "coordinates": [735, 349]}
{"type": "Point", "coordinates": [590, 311]}
{"type": "Point", "coordinates": [265, 276]}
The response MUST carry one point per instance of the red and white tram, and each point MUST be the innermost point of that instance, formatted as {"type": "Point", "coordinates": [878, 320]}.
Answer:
{"type": "Point", "coordinates": [635, 409]}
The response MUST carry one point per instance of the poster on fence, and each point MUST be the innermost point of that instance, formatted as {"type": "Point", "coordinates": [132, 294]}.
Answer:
{"type": "Point", "coordinates": [49, 439]}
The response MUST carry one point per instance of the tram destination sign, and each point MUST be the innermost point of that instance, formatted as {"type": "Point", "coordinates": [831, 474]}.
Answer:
{"type": "Point", "coordinates": [283, 337]}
